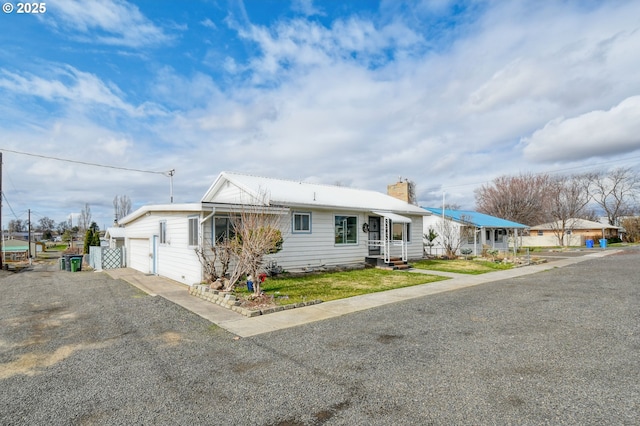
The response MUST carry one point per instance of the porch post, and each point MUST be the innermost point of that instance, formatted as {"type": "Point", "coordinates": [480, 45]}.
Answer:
{"type": "Point", "coordinates": [405, 228]}
{"type": "Point", "coordinates": [475, 241]}
{"type": "Point", "coordinates": [387, 237]}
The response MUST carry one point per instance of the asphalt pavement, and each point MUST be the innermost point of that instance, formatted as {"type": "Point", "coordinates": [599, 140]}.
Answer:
{"type": "Point", "coordinates": [558, 346]}
{"type": "Point", "coordinates": [246, 327]}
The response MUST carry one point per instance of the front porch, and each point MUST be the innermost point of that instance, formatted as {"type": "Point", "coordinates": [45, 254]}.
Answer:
{"type": "Point", "coordinates": [388, 235]}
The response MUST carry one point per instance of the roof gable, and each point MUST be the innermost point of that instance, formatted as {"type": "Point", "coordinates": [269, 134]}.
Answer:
{"type": "Point", "coordinates": [236, 188]}
{"type": "Point", "coordinates": [475, 218]}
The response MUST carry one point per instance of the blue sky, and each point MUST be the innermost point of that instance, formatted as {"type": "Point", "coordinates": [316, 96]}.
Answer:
{"type": "Point", "coordinates": [450, 94]}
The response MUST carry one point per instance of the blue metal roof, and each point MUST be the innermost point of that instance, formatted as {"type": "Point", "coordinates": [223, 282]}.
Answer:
{"type": "Point", "coordinates": [478, 219]}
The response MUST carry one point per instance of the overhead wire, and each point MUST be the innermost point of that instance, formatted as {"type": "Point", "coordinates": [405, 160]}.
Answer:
{"type": "Point", "coordinates": [9, 204]}
{"type": "Point", "coordinates": [86, 163]}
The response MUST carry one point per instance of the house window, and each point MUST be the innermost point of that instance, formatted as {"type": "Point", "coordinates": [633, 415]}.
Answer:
{"type": "Point", "coordinates": [500, 236]}
{"type": "Point", "coordinates": [467, 233]}
{"type": "Point", "coordinates": [397, 230]}
{"type": "Point", "coordinates": [163, 232]}
{"type": "Point", "coordinates": [193, 231]}
{"type": "Point", "coordinates": [346, 229]}
{"type": "Point", "coordinates": [223, 228]}
{"type": "Point", "coordinates": [540, 233]}
{"type": "Point", "coordinates": [302, 223]}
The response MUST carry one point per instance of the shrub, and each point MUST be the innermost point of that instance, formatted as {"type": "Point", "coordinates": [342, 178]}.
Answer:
{"type": "Point", "coordinates": [466, 252]}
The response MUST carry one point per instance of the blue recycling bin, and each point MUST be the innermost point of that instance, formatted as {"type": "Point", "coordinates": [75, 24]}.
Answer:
{"type": "Point", "coordinates": [589, 243]}
{"type": "Point", "coordinates": [603, 243]}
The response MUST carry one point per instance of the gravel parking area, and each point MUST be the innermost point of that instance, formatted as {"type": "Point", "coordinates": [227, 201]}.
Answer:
{"type": "Point", "coordinates": [558, 347]}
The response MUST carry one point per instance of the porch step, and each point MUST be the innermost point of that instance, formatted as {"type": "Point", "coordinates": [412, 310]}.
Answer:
{"type": "Point", "coordinates": [395, 263]}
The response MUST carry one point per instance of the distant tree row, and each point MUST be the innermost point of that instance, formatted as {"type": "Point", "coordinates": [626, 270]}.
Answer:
{"type": "Point", "coordinates": [121, 205]}
{"type": "Point", "coordinates": [533, 199]}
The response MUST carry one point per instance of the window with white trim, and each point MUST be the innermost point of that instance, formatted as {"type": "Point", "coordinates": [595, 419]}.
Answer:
{"type": "Point", "coordinates": [398, 229]}
{"type": "Point", "coordinates": [163, 232]}
{"type": "Point", "coordinates": [301, 223]}
{"type": "Point", "coordinates": [223, 228]}
{"type": "Point", "coordinates": [346, 229]}
{"type": "Point", "coordinates": [193, 231]}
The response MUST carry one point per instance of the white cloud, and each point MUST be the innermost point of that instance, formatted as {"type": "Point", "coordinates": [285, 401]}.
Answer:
{"type": "Point", "coordinates": [67, 85]}
{"type": "Point", "coordinates": [596, 133]}
{"type": "Point", "coordinates": [112, 22]}
{"type": "Point", "coordinates": [298, 45]}
{"type": "Point", "coordinates": [306, 7]}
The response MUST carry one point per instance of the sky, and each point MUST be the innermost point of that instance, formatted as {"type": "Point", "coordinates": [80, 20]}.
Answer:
{"type": "Point", "coordinates": [448, 94]}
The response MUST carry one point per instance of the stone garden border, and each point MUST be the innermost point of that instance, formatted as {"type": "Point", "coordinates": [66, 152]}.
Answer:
{"type": "Point", "coordinates": [230, 301]}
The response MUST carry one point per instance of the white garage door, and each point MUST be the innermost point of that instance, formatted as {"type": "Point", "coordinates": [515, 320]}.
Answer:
{"type": "Point", "coordinates": [139, 254]}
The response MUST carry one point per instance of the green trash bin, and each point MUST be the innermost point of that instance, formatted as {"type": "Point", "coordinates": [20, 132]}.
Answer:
{"type": "Point", "coordinates": [75, 264]}
{"type": "Point", "coordinates": [62, 265]}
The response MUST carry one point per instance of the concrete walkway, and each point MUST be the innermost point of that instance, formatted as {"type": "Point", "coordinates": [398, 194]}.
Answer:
{"type": "Point", "coordinates": [246, 327]}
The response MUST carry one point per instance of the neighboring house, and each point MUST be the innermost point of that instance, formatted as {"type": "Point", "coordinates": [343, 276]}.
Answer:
{"type": "Point", "coordinates": [114, 237]}
{"type": "Point", "coordinates": [15, 251]}
{"type": "Point", "coordinates": [323, 225]}
{"type": "Point", "coordinates": [577, 231]}
{"type": "Point", "coordinates": [476, 230]}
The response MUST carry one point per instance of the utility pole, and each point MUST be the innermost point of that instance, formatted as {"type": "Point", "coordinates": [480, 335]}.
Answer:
{"type": "Point", "coordinates": [29, 234]}
{"type": "Point", "coordinates": [171, 173]}
{"type": "Point", "coordinates": [1, 231]}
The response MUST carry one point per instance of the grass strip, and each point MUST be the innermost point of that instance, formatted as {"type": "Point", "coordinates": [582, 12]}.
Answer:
{"type": "Point", "coordinates": [471, 267]}
{"type": "Point", "coordinates": [338, 285]}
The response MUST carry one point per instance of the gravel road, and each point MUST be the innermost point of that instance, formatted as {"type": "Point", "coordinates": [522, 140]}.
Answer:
{"type": "Point", "coordinates": [559, 347]}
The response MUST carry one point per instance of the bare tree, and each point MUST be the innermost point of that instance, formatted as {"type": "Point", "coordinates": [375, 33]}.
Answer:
{"type": "Point", "coordinates": [46, 226]}
{"type": "Point", "coordinates": [121, 206]}
{"type": "Point", "coordinates": [411, 189]}
{"type": "Point", "coordinates": [257, 234]}
{"type": "Point", "coordinates": [567, 201]}
{"type": "Point", "coordinates": [17, 225]}
{"type": "Point", "coordinates": [216, 259]}
{"type": "Point", "coordinates": [616, 192]}
{"type": "Point", "coordinates": [632, 228]}
{"type": "Point", "coordinates": [519, 198]}
{"type": "Point", "coordinates": [85, 218]}
{"type": "Point", "coordinates": [452, 235]}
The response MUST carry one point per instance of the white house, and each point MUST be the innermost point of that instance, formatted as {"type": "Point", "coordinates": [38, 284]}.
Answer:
{"type": "Point", "coordinates": [115, 237]}
{"type": "Point", "coordinates": [482, 230]}
{"type": "Point", "coordinates": [323, 225]}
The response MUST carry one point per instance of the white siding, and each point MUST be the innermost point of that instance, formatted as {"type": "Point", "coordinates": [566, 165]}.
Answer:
{"type": "Point", "coordinates": [175, 259]}
{"type": "Point", "coordinates": [302, 250]}
{"type": "Point", "coordinates": [551, 240]}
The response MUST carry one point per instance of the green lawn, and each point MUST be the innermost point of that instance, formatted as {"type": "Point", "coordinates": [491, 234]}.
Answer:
{"type": "Point", "coordinates": [337, 285]}
{"type": "Point", "coordinates": [473, 267]}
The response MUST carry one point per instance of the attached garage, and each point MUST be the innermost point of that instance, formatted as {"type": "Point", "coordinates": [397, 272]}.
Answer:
{"type": "Point", "coordinates": [140, 254]}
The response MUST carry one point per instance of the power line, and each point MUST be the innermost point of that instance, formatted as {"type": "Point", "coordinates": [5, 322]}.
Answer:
{"type": "Point", "coordinates": [86, 163]}
{"type": "Point", "coordinates": [10, 208]}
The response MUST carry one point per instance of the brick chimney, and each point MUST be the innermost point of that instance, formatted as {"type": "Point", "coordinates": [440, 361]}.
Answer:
{"type": "Point", "coordinates": [399, 190]}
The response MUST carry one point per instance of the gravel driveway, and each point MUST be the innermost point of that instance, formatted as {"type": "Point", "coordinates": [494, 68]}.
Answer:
{"type": "Point", "coordinates": [559, 347]}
